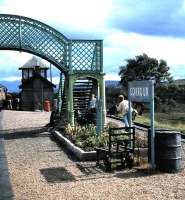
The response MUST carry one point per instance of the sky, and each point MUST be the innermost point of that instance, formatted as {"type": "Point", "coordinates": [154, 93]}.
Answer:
{"type": "Point", "coordinates": [128, 28]}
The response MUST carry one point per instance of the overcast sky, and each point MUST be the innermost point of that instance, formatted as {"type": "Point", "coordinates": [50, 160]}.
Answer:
{"type": "Point", "coordinates": [128, 28]}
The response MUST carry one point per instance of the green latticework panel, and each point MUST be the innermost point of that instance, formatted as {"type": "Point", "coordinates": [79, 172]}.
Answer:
{"type": "Point", "coordinates": [25, 34]}
{"type": "Point", "coordinates": [86, 55]}
{"type": "Point", "coordinates": [44, 41]}
{"type": "Point", "coordinates": [9, 32]}
{"type": "Point", "coordinates": [21, 33]}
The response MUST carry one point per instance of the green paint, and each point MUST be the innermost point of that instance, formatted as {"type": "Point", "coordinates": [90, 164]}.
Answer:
{"type": "Point", "coordinates": [74, 58]}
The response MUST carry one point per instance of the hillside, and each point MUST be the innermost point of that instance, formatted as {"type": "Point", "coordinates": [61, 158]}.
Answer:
{"type": "Point", "coordinates": [13, 86]}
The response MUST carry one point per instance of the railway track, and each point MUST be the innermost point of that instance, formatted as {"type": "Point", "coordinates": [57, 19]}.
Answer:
{"type": "Point", "coordinates": [137, 125]}
{"type": "Point", "coordinates": [140, 126]}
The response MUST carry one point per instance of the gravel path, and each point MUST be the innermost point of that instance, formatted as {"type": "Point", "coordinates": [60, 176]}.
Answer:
{"type": "Point", "coordinates": [41, 170]}
{"type": "Point", "coordinates": [13, 120]}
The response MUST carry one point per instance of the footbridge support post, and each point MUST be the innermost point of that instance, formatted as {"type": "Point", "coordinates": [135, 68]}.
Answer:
{"type": "Point", "coordinates": [101, 113]}
{"type": "Point", "coordinates": [70, 100]}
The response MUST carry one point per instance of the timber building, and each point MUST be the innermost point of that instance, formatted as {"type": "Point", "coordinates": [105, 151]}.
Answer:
{"type": "Point", "coordinates": [36, 88]}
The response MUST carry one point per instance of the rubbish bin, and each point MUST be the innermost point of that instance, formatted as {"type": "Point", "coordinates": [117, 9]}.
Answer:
{"type": "Point", "coordinates": [167, 150]}
{"type": "Point", "coordinates": [47, 106]}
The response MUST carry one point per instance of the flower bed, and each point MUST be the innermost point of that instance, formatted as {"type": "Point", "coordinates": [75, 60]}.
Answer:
{"type": "Point", "coordinates": [85, 137]}
{"type": "Point", "coordinates": [82, 140]}
{"type": "Point", "coordinates": [79, 153]}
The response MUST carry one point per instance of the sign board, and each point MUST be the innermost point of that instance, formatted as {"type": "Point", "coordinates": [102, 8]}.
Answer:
{"type": "Point", "coordinates": [140, 91]}
{"type": "Point", "coordinates": [143, 91]}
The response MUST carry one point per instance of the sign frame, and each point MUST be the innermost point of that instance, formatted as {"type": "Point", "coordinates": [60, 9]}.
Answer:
{"type": "Point", "coordinates": [143, 91]}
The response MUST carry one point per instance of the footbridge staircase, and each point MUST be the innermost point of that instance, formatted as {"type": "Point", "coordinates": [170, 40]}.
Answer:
{"type": "Point", "coordinates": [82, 93]}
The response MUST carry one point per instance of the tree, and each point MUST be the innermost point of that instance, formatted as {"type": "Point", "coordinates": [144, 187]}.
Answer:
{"type": "Point", "coordinates": [143, 67]}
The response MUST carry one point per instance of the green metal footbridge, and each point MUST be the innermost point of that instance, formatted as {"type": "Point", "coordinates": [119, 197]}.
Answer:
{"type": "Point", "coordinates": [80, 61]}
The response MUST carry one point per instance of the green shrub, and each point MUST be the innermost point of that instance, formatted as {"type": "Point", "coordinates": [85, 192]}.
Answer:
{"type": "Point", "coordinates": [85, 137]}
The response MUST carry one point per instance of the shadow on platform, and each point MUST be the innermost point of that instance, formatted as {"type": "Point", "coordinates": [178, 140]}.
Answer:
{"type": "Point", "coordinates": [55, 175]}
{"type": "Point", "coordinates": [10, 134]}
{"type": "Point", "coordinates": [90, 172]}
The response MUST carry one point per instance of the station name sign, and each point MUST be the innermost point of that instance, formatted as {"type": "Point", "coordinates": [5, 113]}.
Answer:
{"type": "Point", "coordinates": [140, 91]}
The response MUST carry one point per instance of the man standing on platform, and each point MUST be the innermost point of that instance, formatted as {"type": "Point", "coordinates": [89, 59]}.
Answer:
{"type": "Point", "coordinates": [122, 109]}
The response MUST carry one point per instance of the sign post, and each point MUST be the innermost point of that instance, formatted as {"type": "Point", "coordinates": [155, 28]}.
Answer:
{"type": "Point", "coordinates": [143, 91]}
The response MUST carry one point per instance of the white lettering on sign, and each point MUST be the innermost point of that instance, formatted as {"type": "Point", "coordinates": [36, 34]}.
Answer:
{"type": "Point", "coordinates": [139, 91]}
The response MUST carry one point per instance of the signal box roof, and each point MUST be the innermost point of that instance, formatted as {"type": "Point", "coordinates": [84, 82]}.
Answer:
{"type": "Point", "coordinates": [34, 62]}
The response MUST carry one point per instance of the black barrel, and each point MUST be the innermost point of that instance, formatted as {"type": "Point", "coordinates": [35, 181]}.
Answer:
{"type": "Point", "coordinates": [168, 151]}
{"type": "Point", "coordinates": [149, 140]}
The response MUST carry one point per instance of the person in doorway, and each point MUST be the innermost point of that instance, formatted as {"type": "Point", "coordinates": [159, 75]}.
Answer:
{"type": "Point", "coordinates": [90, 116]}
{"type": "Point", "coordinates": [92, 104]}
{"type": "Point", "coordinates": [122, 109]}
{"type": "Point", "coordinates": [9, 104]}
{"type": "Point", "coordinates": [15, 103]}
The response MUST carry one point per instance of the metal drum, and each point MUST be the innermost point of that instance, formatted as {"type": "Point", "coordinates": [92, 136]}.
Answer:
{"type": "Point", "coordinates": [149, 140]}
{"type": "Point", "coordinates": [168, 150]}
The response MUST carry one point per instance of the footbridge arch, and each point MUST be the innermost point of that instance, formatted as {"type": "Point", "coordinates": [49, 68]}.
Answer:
{"type": "Point", "coordinates": [74, 58]}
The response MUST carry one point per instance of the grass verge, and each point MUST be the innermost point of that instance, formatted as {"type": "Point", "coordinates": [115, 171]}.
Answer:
{"type": "Point", "coordinates": [174, 121]}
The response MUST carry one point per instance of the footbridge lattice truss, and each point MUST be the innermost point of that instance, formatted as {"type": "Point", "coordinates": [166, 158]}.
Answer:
{"type": "Point", "coordinates": [29, 35]}
{"type": "Point", "coordinates": [74, 58]}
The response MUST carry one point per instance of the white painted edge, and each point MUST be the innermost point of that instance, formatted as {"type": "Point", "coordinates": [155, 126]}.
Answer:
{"type": "Point", "coordinates": [81, 154]}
